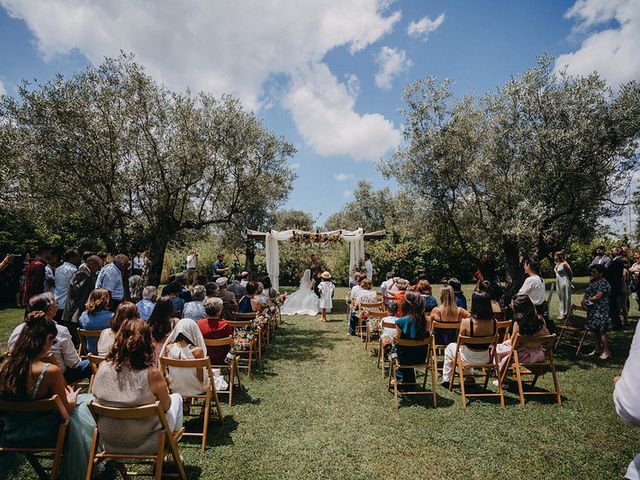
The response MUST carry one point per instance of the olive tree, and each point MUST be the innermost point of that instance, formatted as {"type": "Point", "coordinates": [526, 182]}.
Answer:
{"type": "Point", "coordinates": [521, 169]}
{"type": "Point", "coordinates": [136, 162]}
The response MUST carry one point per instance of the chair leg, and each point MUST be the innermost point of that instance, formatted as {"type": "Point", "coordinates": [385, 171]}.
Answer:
{"type": "Point", "coordinates": [37, 466]}
{"type": "Point", "coordinates": [461, 377]}
{"type": "Point", "coordinates": [232, 368]}
{"type": "Point", "coordinates": [57, 458]}
{"type": "Point", "coordinates": [395, 386]}
{"type": "Point", "coordinates": [205, 424]}
{"type": "Point", "coordinates": [584, 335]}
{"type": "Point", "coordinates": [497, 367]}
{"type": "Point", "coordinates": [92, 454]}
{"type": "Point", "coordinates": [173, 447]}
{"type": "Point", "coordinates": [516, 366]}
{"type": "Point", "coordinates": [160, 461]}
{"type": "Point", "coordinates": [556, 385]}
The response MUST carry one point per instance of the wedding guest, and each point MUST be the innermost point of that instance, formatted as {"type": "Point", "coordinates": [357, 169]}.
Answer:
{"type": "Point", "coordinates": [249, 303]}
{"type": "Point", "coordinates": [184, 294]}
{"type": "Point", "coordinates": [262, 296]}
{"type": "Point", "coordinates": [218, 269]}
{"type": "Point", "coordinates": [213, 327]}
{"type": "Point", "coordinates": [533, 286]}
{"type": "Point", "coordinates": [186, 342]}
{"type": "Point", "coordinates": [402, 285]}
{"type": "Point", "coordinates": [461, 300]}
{"type": "Point", "coordinates": [601, 258]}
{"type": "Point", "coordinates": [173, 291]}
{"type": "Point", "coordinates": [148, 302]}
{"type": "Point", "coordinates": [161, 321]}
{"type": "Point", "coordinates": [354, 293]}
{"type": "Point", "coordinates": [596, 301]}
{"type": "Point", "coordinates": [387, 334]}
{"type": "Point", "coordinates": [527, 322]}
{"type": "Point", "coordinates": [326, 289]}
{"type": "Point", "coordinates": [244, 278]}
{"type": "Point", "coordinates": [63, 350]}
{"type": "Point", "coordinates": [110, 277]}
{"type": "Point", "coordinates": [487, 287]}
{"type": "Point", "coordinates": [614, 274]}
{"type": "Point", "coordinates": [237, 288]}
{"type": "Point", "coordinates": [211, 290]}
{"type": "Point", "coordinates": [138, 264]}
{"type": "Point", "coordinates": [49, 273]}
{"type": "Point", "coordinates": [366, 294]}
{"type": "Point", "coordinates": [81, 285]}
{"type": "Point", "coordinates": [368, 267]}
{"type": "Point", "coordinates": [192, 267]}
{"type": "Point", "coordinates": [96, 316]}
{"type": "Point", "coordinates": [34, 275]}
{"type": "Point", "coordinates": [128, 378]}
{"type": "Point", "coordinates": [412, 326]}
{"type": "Point", "coordinates": [71, 261]}
{"type": "Point", "coordinates": [125, 311]}
{"type": "Point", "coordinates": [194, 308]}
{"type": "Point", "coordinates": [425, 290]}
{"type": "Point", "coordinates": [564, 275]}
{"type": "Point", "coordinates": [480, 324]}
{"type": "Point", "coordinates": [268, 287]}
{"type": "Point", "coordinates": [447, 312]}
{"type": "Point", "coordinates": [386, 287]}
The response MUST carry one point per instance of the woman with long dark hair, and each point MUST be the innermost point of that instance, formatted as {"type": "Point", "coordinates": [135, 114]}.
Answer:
{"type": "Point", "coordinates": [411, 326]}
{"type": "Point", "coordinates": [480, 324]}
{"type": "Point", "coordinates": [128, 378]}
{"type": "Point", "coordinates": [161, 323]}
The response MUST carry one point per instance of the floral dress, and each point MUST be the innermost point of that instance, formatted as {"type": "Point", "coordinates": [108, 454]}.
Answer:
{"type": "Point", "coordinates": [598, 312]}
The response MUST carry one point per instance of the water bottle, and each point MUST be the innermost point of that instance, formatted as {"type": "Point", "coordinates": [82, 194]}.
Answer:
{"type": "Point", "coordinates": [230, 357]}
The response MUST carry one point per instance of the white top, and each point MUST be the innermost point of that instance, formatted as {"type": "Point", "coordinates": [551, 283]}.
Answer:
{"type": "Point", "coordinates": [184, 380]}
{"type": "Point", "coordinates": [63, 350]}
{"type": "Point", "coordinates": [63, 276]}
{"type": "Point", "coordinates": [389, 332]}
{"type": "Point", "coordinates": [626, 397]}
{"type": "Point", "coordinates": [138, 262]}
{"type": "Point", "coordinates": [389, 286]}
{"type": "Point", "coordinates": [369, 266]}
{"type": "Point", "coordinates": [326, 289]}
{"type": "Point", "coordinates": [367, 296]}
{"type": "Point", "coordinates": [106, 341]}
{"type": "Point", "coordinates": [355, 292]}
{"type": "Point", "coordinates": [192, 261]}
{"type": "Point", "coordinates": [533, 287]}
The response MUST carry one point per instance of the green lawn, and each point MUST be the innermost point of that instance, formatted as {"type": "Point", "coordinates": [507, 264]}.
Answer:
{"type": "Point", "coordinates": [318, 407]}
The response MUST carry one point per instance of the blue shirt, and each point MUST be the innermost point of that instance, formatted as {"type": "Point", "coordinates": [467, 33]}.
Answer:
{"type": "Point", "coordinates": [145, 307]}
{"type": "Point", "coordinates": [111, 278]}
{"type": "Point", "coordinates": [430, 303]}
{"type": "Point", "coordinates": [94, 321]}
{"type": "Point", "coordinates": [461, 300]}
{"type": "Point", "coordinates": [63, 276]}
{"type": "Point", "coordinates": [193, 310]}
{"type": "Point", "coordinates": [217, 265]}
{"type": "Point", "coordinates": [178, 306]}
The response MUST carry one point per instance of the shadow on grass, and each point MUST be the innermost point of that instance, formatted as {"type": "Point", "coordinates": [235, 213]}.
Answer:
{"type": "Point", "coordinates": [218, 435]}
{"type": "Point", "coordinates": [423, 401]}
{"type": "Point", "coordinates": [301, 344]}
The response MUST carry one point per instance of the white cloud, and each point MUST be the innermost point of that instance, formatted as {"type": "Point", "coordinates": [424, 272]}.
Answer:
{"type": "Point", "coordinates": [323, 111]}
{"type": "Point", "coordinates": [226, 47]}
{"type": "Point", "coordinates": [347, 193]}
{"type": "Point", "coordinates": [3, 89]}
{"type": "Point", "coordinates": [343, 177]}
{"type": "Point", "coordinates": [391, 62]}
{"type": "Point", "coordinates": [612, 51]}
{"type": "Point", "coordinates": [294, 166]}
{"type": "Point", "coordinates": [424, 26]}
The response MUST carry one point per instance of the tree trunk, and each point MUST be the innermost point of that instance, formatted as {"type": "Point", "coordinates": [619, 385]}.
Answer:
{"type": "Point", "coordinates": [515, 271]}
{"type": "Point", "coordinates": [250, 259]}
{"type": "Point", "coordinates": [157, 248]}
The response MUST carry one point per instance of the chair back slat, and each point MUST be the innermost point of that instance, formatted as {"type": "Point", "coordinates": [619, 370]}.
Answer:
{"type": "Point", "coordinates": [533, 342]}
{"type": "Point", "coordinates": [186, 362]}
{"type": "Point", "coordinates": [240, 324]}
{"type": "Point", "coordinates": [405, 342]}
{"type": "Point", "coordinates": [377, 314]}
{"type": "Point", "coordinates": [219, 342]}
{"type": "Point", "coordinates": [244, 316]}
{"type": "Point", "coordinates": [144, 411]}
{"type": "Point", "coordinates": [435, 325]}
{"type": "Point", "coordinates": [53, 404]}
{"type": "Point", "coordinates": [465, 340]}
{"type": "Point", "coordinates": [388, 324]}
{"type": "Point", "coordinates": [379, 306]}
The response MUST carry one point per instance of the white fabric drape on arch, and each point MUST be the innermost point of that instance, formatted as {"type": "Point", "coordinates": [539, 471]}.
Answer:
{"type": "Point", "coordinates": [272, 250]}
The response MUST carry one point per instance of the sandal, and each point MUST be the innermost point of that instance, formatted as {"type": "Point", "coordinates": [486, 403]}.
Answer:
{"type": "Point", "coordinates": [605, 356]}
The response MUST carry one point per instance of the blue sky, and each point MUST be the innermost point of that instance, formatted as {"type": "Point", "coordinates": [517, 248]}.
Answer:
{"type": "Point", "coordinates": [328, 76]}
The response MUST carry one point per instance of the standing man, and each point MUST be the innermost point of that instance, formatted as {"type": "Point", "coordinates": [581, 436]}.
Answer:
{"type": "Point", "coordinates": [192, 268]}
{"type": "Point", "coordinates": [138, 264]}
{"type": "Point", "coordinates": [34, 274]}
{"type": "Point", "coordinates": [110, 277]}
{"type": "Point", "coordinates": [601, 258]}
{"type": "Point", "coordinates": [50, 272]}
{"type": "Point", "coordinates": [615, 276]}
{"type": "Point", "coordinates": [218, 269]}
{"type": "Point", "coordinates": [81, 284]}
{"type": "Point", "coordinates": [64, 272]}
{"type": "Point", "coordinates": [237, 289]}
{"type": "Point", "coordinates": [369, 267]}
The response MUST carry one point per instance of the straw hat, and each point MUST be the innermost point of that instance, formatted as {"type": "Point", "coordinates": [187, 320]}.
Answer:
{"type": "Point", "coordinates": [326, 276]}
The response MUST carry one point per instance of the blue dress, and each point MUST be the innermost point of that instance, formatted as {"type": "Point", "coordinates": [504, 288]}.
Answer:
{"type": "Point", "coordinates": [408, 355]}
{"type": "Point", "coordinates": [244, 305]}
{"type": "Point", "coordinates": [94, 321]}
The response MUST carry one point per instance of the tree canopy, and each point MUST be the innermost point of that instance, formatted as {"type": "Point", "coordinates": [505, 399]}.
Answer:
{"type": "Point", "coordinates": [134, 162]}
{"type": "Point", "coordinates": [522, 169]}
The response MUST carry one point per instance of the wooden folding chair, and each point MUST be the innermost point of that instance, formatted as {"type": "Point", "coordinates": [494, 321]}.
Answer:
{"type": "Point", "coordinates": [427, 365]}
{"type": "Point", "coordinates": [368, 308]}
{"type": "Point", "coordinates": [243, 317]}
{"type": "Point", "coordinates": [574, 327]}
{"type": "Point", "coordinates": [383, 360]}
{"type": "Point", "coordinates": [373, 335]}
{"type": "Point", "coordinates": [228, 309]}
{"type": "Point", "coordinates": [35, 453]}
{"type": "Point", "coordinates": [209, 396]}
{"type": "Point", "coordinates": [247, 357]}
{"type": "Point", "coordinates": [84, 335]}
{"type": "Point", "coordinates": [166, 438]}
{"type": "Point", "coordinates": [234, 373]}
{"type": "Point", "coordinates": [503, 330]}
{"type": "Point", "coordinates": [493, 364]}
{"type": "Point", "coordinates": [513, 365]}
{"type": "Point", "coordinates": [95, 362]}
{"type": "Point", "coordinates": [438, 349]}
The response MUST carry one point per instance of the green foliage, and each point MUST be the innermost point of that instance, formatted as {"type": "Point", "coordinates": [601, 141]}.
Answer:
{"type": "Point", "coordinates": [371, 210]}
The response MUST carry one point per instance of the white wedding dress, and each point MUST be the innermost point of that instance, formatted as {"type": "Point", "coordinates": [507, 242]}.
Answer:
{"type": "Point", "coordinates": [303, 301]}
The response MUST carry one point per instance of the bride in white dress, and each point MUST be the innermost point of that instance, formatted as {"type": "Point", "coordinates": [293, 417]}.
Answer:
{"type": "Point", "coordinates": [303, 301]}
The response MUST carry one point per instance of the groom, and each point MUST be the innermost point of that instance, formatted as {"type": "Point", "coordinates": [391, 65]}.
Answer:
{"type": "Point", "coordinates": [316, 270]}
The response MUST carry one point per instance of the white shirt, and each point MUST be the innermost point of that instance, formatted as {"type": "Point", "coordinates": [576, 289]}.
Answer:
{"type": "Point", "coordinates": [355, 291]}
{"type": "Point", "coordinates": [138, 262]}
{"type": "Point", "coordinates": [63, 350]}
{"type": "Point", "coordinates": [369, 266]}
{"type": "Point", "coordinates": [63, 277]}
{"type": "Point", "coordinates": [192, 261]}
{"type": "Point", "coordinates": [533, 287]}
{"type": "Point", "coordinates": [626, 397]}
{"type": "Point", "coordinates": [48, 275]}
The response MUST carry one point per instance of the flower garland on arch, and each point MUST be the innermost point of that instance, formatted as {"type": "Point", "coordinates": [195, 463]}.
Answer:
{"type": "Point", "coordinates": [310, 238]}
